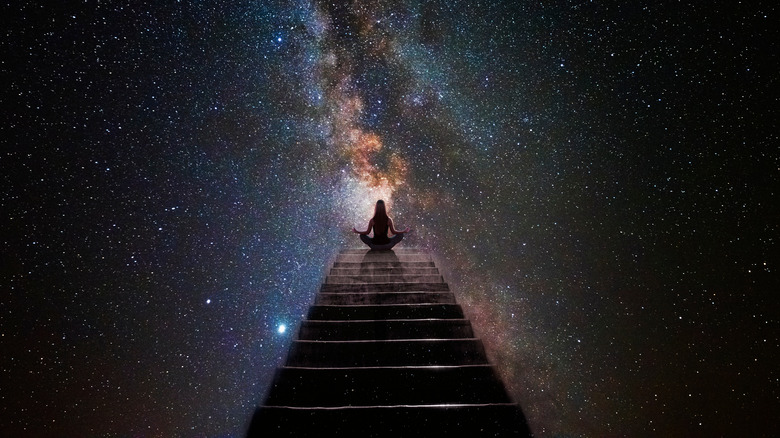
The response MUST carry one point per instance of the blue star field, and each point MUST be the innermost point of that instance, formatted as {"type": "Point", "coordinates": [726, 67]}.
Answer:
{"type": "Point", "coordinates": [599, 181]}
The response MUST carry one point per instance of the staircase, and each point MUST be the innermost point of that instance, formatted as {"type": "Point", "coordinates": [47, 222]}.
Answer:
{"type": "Point", "coordinates": [386, 352]}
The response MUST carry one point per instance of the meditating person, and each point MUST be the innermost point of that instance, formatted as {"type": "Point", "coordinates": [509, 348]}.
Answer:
{"type": "Point", "coordinates": [381, 224]}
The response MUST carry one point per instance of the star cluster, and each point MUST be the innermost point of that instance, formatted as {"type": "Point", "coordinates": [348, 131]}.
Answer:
{"type": "Point", "coordinates": [598, 182]}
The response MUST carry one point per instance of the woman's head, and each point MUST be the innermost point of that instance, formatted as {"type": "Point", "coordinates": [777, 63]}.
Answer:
{"type": "Point", "coordinates": [380, 211]}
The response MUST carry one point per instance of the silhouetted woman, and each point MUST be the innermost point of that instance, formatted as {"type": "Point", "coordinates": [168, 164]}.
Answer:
{"type": "Point", "coordinates": [381, 223]}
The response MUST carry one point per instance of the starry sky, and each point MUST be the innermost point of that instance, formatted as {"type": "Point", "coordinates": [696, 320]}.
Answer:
{"type": "Point", "coordinates": [598, 181]}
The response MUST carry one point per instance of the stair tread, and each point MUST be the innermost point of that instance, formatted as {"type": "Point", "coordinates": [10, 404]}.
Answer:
{"type": "Point", "coordinates": [384, 287]}
{"type": "Point", "coordinates": [485, 419]}
{"type": "Point", "coordinates": [390, 321]}
{"type": "Point", "coordinates": [367, 386]}
{"type": "Point", "coordinates": [364, 250]}
{"type": "Point", "coordinates": [385, 311]}
{"type": "Point", "coordinates": [373, 270]}
{"type": "Point", "coordinates": [353, 262]}
{"type": "Point", "coordinates": [428, 297]}
{"type": "Point", "coordinates": [385, 329]}
{"type": "Point", "coordinates": [432, 405]}
{"type": "Point", "coordinates": [390, 367]}
{"type": "Point", "coordinates": [386, 352]}
{"type": "Point", "coordinates": [384, 278]}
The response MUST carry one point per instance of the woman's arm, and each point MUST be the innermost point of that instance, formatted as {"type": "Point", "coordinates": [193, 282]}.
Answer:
{"type": "Point", "coordinates": [368, 230]}
{"type": "Point", "coordinates": [393, 230]}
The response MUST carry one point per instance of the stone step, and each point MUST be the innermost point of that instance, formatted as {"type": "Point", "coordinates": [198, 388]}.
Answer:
{"type": "Point", "coordinates": [333, 387]}
{"type": "Point", "coordinates": [373, 353]}
{"type": "Point", "coordinates": [385, 270]}
{"type": "Point", "coordinates": [384, 287]}
{"type": "Point", "coordinates": [344, 298]}
{"type": "Point", "coordinates": [395, 250]}
{"type": "Point", "coordinates": [385, 329]}
{"type": "Point", "coordinates": [388, 311]}
{"type": "Point", "coordinates": [374, 265]}
{"type": "Point", "coordinates": [470, 420]}
{"type": "Point", "coordinates": [371, 279]}
{"type": "Point", "coordinates": [382, 256]}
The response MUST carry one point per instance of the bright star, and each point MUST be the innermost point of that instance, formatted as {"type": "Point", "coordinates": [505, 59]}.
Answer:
{"type": "Point", "coordinates": [282, 328]}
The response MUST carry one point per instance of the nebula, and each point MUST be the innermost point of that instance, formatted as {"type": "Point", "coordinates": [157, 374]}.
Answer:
{"type": "Point", "coordinates": [372, 172]}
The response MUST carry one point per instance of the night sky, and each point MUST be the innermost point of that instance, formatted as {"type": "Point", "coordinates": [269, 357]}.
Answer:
{"type": "Point", "coordinates": [598, 180]}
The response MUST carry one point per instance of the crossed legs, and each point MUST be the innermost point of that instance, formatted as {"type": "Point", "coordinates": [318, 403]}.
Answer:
{"type": "Point", "coordinates": [393, 241]}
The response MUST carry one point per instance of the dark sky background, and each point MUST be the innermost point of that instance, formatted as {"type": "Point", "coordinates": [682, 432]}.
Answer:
{"type": "Point", "coordinates": [599, 181]}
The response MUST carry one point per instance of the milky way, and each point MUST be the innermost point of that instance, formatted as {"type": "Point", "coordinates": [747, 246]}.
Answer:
{"type": "Point", "coordinates": [598, 182]}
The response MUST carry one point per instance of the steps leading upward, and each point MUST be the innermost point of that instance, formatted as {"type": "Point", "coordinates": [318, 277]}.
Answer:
{"type": "Point", "coordinates": [385, 351]}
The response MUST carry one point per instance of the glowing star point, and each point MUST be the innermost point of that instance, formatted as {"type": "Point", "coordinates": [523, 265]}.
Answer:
{"type": "Point", "coordinates": [282, 328]}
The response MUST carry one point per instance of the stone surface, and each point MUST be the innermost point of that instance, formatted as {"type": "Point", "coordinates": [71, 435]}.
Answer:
{"type": "Point", "coordinates": [384, 287]}
{"type": "Point", "coordinates": [386, 311]}
{"type": "Point", "coordinates": [383, 278]}
{"type": "Point", "coordinates": [379, 386]}
{"type": "Point", "coordinates": [334, 299]}
{"type": "Point", "coordinates": [385, 351]}
{"type": "Point", "coordinates": [324, 330]}
{"type": "Point", "coordinates": [424, 421]}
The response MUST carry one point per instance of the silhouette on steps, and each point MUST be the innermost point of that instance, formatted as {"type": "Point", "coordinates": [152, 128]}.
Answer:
{"type": "Point", "coordinates": [386, 352]}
